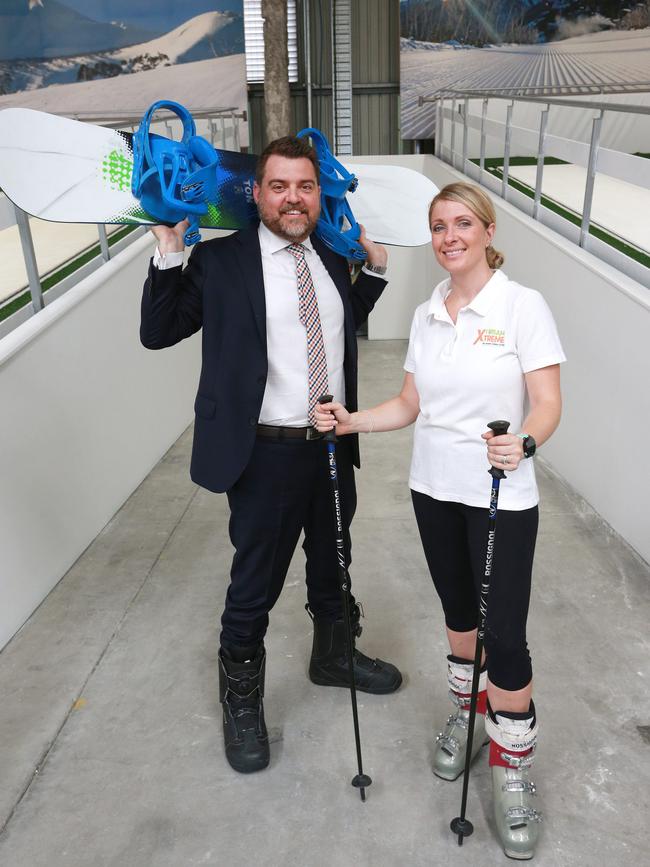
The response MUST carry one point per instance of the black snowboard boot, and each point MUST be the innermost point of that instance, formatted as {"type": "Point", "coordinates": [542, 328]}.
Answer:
{"type": "Point", "coordinates": [329, 662]}
{"type": "Point", "coordinates": [241, 693]}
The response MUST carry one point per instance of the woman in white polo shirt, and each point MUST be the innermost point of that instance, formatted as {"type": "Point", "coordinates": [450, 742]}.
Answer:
{"type": "Point", "coordinates": [482, 348]}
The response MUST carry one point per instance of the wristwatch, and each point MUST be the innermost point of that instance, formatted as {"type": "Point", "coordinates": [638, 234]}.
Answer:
{"type": "Point", "coordinates": [530, 446]}
{"type": "Point", "coordinates": [380, 270]}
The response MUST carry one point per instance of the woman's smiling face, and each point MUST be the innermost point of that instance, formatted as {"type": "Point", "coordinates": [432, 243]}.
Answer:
{"type": "Point", "coordinates": [458, 237]}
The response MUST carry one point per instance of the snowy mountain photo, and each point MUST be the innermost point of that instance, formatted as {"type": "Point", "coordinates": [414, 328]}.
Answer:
{"type": "Point", "coordinates": [550, 46]}
{"type": "Point", "coordinates": [198, 62]}
{"type": "Point", "coordinates": [43, 53]}
{"type": "Point", "coordinates": [515, 21]}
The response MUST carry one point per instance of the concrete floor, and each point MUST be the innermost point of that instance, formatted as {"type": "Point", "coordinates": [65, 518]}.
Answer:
{"type": "Point", "coordinates": [110, 729]}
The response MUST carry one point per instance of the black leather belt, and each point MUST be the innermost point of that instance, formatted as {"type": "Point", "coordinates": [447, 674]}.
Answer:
{"type": "Point", "coordinates": [274, 432]}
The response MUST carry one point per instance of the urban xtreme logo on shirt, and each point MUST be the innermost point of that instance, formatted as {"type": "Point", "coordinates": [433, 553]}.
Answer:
{"type": "Point", "coordinates": [490, 335]}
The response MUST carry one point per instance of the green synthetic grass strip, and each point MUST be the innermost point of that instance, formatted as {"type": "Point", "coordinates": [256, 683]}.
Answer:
{"type": "Point", "coordinates": [61, 273]}
{"type": "Point", "coordinates": [618, 244]}
{"type": "Point", "coordinates": [497, 162]}
{"type": "Point", "coordinates": [12, 306]}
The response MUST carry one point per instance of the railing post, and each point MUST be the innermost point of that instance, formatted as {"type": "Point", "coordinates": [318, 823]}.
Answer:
{"type": "Point", "coordinates": [103, 242]}
{"type": "Point", "coordinates": [481, 163]}
{"type": "Point", "coordinates": [236, 140]}
{"type": "Point", "coordinates": [31, 266]}
{"type": "Point", "coordinates": [439, 123]}
{"type": "Point", "coordinates": [223, 132]}
{"type": "Point", "coordinates": [453, 131]}
{"type": "Point", "coordinates": [591, 177]}
{"type": "Point", "coordinates": [506, 152]}
{"type": "Point", "coordinates": [213, 130]}
{"type": "Point", "coordinates": [466, 112]}
{"type": "Point", "coordinates": [540, 162]}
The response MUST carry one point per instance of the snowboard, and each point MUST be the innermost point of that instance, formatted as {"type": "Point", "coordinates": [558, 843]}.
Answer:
{"type": "Point", "coordinates": [67, 171]}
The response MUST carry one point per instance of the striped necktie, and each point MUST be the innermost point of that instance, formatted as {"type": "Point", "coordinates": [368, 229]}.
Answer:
{"type": "Point", "coordinates": [310, 318]}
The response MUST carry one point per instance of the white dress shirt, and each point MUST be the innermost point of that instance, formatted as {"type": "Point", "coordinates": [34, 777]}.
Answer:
{"type": "Point", "coordinates": [286, 395]}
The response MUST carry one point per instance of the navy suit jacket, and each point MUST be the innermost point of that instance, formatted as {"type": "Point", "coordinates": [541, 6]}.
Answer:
{"type": "Point", "coordinates": [222, 291]}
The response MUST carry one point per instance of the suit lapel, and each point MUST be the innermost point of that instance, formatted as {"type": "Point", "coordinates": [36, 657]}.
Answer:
{"type": "Point", "coordinates": [250, 262]}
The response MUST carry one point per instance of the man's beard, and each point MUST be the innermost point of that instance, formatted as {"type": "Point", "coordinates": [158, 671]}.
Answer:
{"type": "Point", "coordinates": [289, 230]}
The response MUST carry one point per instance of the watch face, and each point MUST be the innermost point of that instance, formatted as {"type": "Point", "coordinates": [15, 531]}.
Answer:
{"type": "Point", "coordinates": [530, 447]}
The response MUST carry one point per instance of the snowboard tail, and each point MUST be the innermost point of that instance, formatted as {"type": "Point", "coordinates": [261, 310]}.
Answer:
{"type": "Point", "coordinates": [67, 171]}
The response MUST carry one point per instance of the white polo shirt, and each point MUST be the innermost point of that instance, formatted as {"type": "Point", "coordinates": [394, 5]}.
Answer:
{"type": "Point", "coordinates": [469, 374]}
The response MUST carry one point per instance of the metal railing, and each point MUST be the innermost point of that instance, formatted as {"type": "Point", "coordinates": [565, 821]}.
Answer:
{"type": "Point", "coordinates": [457, 119]}
{"type": "Point", "coordinates": [575, 89]}
{"type": "Point", "coordinates": [220, 125]}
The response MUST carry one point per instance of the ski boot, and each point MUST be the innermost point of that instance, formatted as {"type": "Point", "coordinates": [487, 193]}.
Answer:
{"type": "Point", "coordinates": [241, 692]}
{"type": "Point", "coordinates": [451, 744]}
{"type": "Point", "coordinates": [328, 665]}
{"type": "Point", "coordinates": [513, 737]}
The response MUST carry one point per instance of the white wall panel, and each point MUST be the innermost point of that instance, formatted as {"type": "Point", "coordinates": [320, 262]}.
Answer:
{"type": "Point", "coordinates": [85, 413]}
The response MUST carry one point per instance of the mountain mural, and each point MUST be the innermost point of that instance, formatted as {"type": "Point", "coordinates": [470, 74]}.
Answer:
{"type": "Point", "coordinates": [521, 21]}
{"type": "Point", "coordinates": [212, 34]}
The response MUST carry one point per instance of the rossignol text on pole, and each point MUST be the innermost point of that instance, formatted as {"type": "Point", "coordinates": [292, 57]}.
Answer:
{"type": "Point", "coordinates": [461, 825]}
{"type": "Point", "coordinates": [360, 781]}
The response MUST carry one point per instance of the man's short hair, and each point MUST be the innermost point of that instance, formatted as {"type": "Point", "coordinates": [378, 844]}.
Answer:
{"type": "Point", "coordinates": [291, 148]}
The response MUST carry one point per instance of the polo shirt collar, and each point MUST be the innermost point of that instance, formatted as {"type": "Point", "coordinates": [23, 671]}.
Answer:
{"type": "Point", "coordinates": [272, 243]}
{"type": "Point", "coordinates": [488, 294]}
{"type": "Point", "coordinates": [481, 304]}
{"type": "Point", "coordinates": [437, 307]}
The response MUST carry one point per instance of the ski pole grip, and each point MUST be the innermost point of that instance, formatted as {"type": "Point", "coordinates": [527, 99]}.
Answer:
{"type": "Point", "coordinates": [330, 436]}
{"type": "Point", "coordinates": [499, 427]}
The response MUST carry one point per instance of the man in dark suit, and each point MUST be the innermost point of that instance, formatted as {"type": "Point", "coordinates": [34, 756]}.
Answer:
{"type": "Point", "coordinates": [279, 315]}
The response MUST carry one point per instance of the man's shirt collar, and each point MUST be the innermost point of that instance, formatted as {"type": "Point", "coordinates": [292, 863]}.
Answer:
{"type": "Point", "coordinates": [271, 243]}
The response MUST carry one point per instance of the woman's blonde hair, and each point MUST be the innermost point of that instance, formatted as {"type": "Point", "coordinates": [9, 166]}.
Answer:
{"type": "Point", "coordinates": [479, 203]}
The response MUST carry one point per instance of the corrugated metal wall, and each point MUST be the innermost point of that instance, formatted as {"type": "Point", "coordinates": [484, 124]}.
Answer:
{"type": "Point", "coordinates": [375, 77]}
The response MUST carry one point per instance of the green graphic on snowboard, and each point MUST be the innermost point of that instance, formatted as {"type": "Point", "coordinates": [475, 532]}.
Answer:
{"type": "Point", "coordinates": [117, 170]}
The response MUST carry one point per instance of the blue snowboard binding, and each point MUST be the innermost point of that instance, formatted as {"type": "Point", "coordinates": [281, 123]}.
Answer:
{"type": "Point", "coordinates": [174, 179]}
{"type": "Point", "coordinates": [336, 226]}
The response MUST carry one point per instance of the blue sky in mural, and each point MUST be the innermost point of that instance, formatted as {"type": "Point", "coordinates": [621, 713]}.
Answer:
{"type": "Point", "coordinates": [157, 17]}
{"type": "Point", "coordinates": [33, 29]}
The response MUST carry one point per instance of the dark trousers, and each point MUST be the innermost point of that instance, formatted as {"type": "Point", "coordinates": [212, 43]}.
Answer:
{"type": "Point", "coordinates": [454, 538]}
{"type": "Point", "coordinates": [284, 489]}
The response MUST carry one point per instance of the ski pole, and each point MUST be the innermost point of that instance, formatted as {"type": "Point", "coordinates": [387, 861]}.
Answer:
{"type": "Point", "coordinates": [360, 781]}
{"type": "Point", "coordinates": [461, 825]}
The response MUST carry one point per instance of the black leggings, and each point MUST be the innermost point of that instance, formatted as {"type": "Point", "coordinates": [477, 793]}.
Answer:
{"type": "Point", "coordinates": [454, 537]}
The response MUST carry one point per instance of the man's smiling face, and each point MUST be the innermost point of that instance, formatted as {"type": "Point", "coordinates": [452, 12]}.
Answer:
{"type": "Point", "coordinates": [288, 199]}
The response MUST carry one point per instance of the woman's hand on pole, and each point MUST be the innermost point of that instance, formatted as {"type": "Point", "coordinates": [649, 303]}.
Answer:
{"type": "Point", "coordinates": [330, 415]}
{"type": "Point", "coordinates": [504, 452]}
{"type": "Point", "coordinates": [543, 387]}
